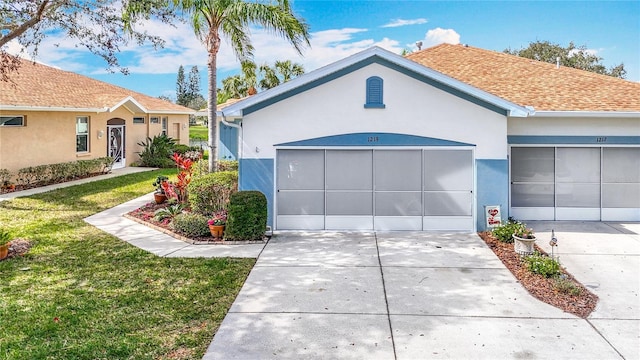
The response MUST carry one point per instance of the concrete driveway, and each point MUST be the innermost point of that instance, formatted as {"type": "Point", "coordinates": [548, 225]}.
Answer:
{"type": "Point", "coordinates": [402, 295]}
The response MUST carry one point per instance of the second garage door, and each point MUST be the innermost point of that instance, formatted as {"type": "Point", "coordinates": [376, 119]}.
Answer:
{"type": "Point", "coordinates": [418, 189]}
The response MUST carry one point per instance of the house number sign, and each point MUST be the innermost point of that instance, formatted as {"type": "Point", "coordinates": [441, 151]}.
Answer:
{"type": "Point", "coordinates": [372, 139]}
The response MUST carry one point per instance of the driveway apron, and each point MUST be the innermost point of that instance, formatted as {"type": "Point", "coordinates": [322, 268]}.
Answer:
{"type": "Point", "coordinates": [393, 295]}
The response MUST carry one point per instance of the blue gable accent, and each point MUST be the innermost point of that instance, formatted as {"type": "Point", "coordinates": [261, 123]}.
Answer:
{"type": "Point", "coordinates": [366, 62]}
{"type": "Point", "coordinates": [374, 139]}
{"type": "Point", "coordinates": [554, 140]}
{"type": "Point", "coordinates": [257, 174]}
{"type": "Point", "coordinates": [493, 188]}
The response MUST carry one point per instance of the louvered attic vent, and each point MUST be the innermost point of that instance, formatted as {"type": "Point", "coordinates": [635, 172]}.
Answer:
{"type": "Point", "coordinates": [374, 93]}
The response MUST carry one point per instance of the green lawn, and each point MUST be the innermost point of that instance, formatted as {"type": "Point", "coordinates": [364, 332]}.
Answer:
{"type": "Point", "coordinates": [83, 294]}
{"type": "Point", "coordinates": [198, 132]}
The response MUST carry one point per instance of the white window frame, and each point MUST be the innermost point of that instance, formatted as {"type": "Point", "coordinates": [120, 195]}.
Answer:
{"type": "Point", "coordinates": [165, 125]}
{"type": "Point", "coordinates": [12, 117]}
{"type": "Point", "coordinates": [82, 134]}
{"type": "Point", "coordinates": [139, 118]}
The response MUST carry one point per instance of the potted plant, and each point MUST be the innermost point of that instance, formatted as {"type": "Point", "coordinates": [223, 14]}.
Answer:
{"type": "Point", "coordinates": [5, 237]}
{"type": "Point", "coordinates": [523, 239]}
{"type": "Point", "coordinates": [217, 223]}
{"type": "Point", "coordinates": [8, 185]}
{"type": "Point", "coordinates": [160, 196]}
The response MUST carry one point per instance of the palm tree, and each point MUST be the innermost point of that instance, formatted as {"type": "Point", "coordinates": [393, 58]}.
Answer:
{"type": "Point", "coordinates": [212, 19]}
{"type": "Point", "coordinates": [282, 72]}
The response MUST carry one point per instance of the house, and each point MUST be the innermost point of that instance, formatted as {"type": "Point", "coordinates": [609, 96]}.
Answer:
{"type": "Point", "coordinates": [52, 116]}
{"type": "Point", "coordinates": [428, 142]}
{"type": "Point", "coordinates": [227, 133]}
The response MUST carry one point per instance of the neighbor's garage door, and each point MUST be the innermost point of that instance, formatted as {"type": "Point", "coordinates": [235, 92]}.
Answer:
{"type": "Point", "coordinates": [575, 183]}
{"type": "Point", "coordinates": [375, 189]}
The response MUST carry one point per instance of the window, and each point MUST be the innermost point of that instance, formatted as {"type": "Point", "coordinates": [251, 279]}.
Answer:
{"type": "Point", "coordinates": [14, 120]}
{"type": "Point", "coordinates": [82, 134]}
{"type": "Point", "coordinates": [138, 120]}
{"type": "Point", "coordinates": [165, 121]}
{"type": "Point", "coordinates": [374, 93]}
{"type": "Point", "coordinates": [154, 120]}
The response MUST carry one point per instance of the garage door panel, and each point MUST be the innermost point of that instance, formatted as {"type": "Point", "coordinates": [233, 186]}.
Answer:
{"type": "Point", "coordinates": [532, 195]}
{"type": "Point", "coordinates": [349, 170]}
{"type": "Point", "coordinates": [448, 170]}
{"type": "Point", "coordinates": [349, 203]}
{"type": "Point", "coordinates": [578, 165]}
{"type": "Point", "coordinates": [390, 163]}
{"type": "Point", "coordinates": [447, 203]}
{"type": "Point", "coordinates": [621, 195]}
{"type": "Point", "coordinates": [621, 165]}
{"type": "Point", "coordinates": [300, 203]}
{"type": "Point", "coordinates": [300, 170]}
{"type": "Point", "coordinates": [398, 203]}
{"type": "Point", "coordinates": [578, 195]}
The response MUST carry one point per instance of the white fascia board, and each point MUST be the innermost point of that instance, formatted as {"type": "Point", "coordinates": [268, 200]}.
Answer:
{"type": "Point", "coordinates": [514, 110]}
{"type": "Point", "coordinates": [587, 114]}
{"type": "Point", "coordinates": [130, 99]}
{"type": "Point", "coordinates": [51, 108]}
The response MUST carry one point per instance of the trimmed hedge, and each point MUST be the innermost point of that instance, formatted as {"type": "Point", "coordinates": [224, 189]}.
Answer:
{"type": "Point", "coordinates": [211, 192]}
{"type": "Point", "coordinates": [53, 173]}
{"type": "Point", "coordinates": [246, 216]}
{"type": "Point", "coordinates": [191, 225]}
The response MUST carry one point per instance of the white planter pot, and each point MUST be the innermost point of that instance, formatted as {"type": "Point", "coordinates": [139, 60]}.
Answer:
{"type": "Point", "coordinates": [523, 246]}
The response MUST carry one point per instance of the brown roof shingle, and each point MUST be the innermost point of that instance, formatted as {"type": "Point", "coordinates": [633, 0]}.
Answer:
{"type": "Point", "coordinates": [531, 83]}
{"type": "Point", "coordinates": [39, 85]}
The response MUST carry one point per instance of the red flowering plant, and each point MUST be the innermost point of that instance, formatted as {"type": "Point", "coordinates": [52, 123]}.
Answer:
{"type": "Point", "coordinates": [178, 190]}
{"type": "Point", "coordinates": [219, 218]}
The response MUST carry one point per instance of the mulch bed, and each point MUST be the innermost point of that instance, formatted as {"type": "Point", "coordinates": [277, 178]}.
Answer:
{"type": "Point", "coordinates": [540, 287]}
{"type": "Point", "coordinates": [18, 247]}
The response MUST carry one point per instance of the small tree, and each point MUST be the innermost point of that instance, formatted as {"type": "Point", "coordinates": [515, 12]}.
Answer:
{"type": "Point", "coordinates": [182, 96]}
{"type": "Point", "coordinates": [578, 57]}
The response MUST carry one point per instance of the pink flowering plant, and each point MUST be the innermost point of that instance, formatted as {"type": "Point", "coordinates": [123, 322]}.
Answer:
{"type": "Point", "coordinates": [219, 218]}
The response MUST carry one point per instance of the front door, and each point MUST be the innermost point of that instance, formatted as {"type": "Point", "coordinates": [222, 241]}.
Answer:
{"type": "Point", "coordinates": [115, 145]}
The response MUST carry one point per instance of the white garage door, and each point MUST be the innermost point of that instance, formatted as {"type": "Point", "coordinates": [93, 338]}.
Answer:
{"type": "Point", "coordinates": [575, 183]}
{"type": "Point", "coordinates": [422, 189]}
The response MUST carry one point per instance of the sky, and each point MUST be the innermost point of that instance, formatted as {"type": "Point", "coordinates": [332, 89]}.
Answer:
{"type": "Point", "coordinates": [609, 29]}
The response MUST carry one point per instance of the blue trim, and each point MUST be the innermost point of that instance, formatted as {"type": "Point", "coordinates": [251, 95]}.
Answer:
{"type": "Point", "coordinates": [492, 181]}
{"type": "Point", "coordinates": [375, 93]}
{"type": "Point", "coordinates": [228, 145]}
{"type": "Point", "coordinates": [554, 140]}
{"type": "Point", "coordinates": [257, 174]}
{"type": "Point", "coordinates": [375, 59]}
{"type": "Point", "coordinates": [374, 139]}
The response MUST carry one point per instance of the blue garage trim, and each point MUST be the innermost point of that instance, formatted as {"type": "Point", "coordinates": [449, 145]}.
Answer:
{"type": "Point", "coordinates": [366, 62]}
{"type": "Point", "coordinates": [554, 140]}
{"type": "Point", "coordinates": [257, 174]}
{"type": "Point", "coordinates": [492, 188]}
{"type": "Point", "coordinates": [374, 139]}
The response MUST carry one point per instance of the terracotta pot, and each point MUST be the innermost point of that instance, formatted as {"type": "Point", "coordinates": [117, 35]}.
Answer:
{"type": "Point", "coordinates": [216, 231]}
{"type": "Point", "coordinates": [4, 251]}
{"type": "Point", "coordinates": [160, 198]}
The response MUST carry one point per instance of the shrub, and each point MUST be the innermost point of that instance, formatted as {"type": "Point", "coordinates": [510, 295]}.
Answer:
{"type": "Point", "coordinates": [228, 165]}
{"type": "Point", "coordinates": [505, 231]}
{"type": "Point", "coordinates": [157, 152]}
{"type": "Point", "coordinates": [5, 176]}
{"type": "Point", "coordinates": [542, 265]}
{"type": "Point", "coordinates": [247, 216]}
{"type": "Point", "coordinates": [191, 225]}
{"type": "Point", "coordinates": [211, 192]}
{"type": "Point", "coordinates": [170, 212]}
{"type": "Point", "coordinates": [564, 285]}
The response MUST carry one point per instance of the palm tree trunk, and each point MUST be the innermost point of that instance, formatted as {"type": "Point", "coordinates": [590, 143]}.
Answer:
{"type": "Point", "coordinates": [213, 123]}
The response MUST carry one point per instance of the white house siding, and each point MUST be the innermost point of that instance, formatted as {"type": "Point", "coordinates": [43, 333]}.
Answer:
{"type": "Point", "coordinates": [412, 108]}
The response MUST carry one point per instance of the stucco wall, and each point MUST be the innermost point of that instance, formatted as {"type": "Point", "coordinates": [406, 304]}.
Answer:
{"type": "Point", "coordinates": [50, 137]}
{"type": "Point", "coordinates": [574, 126]}
{"type": "Point", "coordinates": [337, 107]}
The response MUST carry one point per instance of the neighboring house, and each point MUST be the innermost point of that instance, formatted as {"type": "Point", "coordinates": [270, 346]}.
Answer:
{"type": "Point", "coordinates": [227, 133]}
{"type": "Point", "coordinates": [51, 116]}
{"type": "Point", "coordinates": [378, 141]}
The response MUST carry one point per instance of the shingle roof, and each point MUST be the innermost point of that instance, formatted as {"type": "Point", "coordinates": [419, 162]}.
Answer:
{"type": "Point", "coordinates": [531, 83]}
{"type": "Point", "coordinates": [37, 85]}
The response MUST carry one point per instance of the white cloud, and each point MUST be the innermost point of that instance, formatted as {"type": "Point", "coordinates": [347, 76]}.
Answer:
{"type": "Point", "coordinates": [438, 36]}
{"type": "Point", "coordinates": [402, 22]}
{"type": "Point", "coordinates": [593, 52]}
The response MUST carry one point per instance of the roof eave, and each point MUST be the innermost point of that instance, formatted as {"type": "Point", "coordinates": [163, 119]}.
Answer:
{"type": "Point", "coordinates": [587, 114]}
{"type": "Point", "coordinates": [51, 108]}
